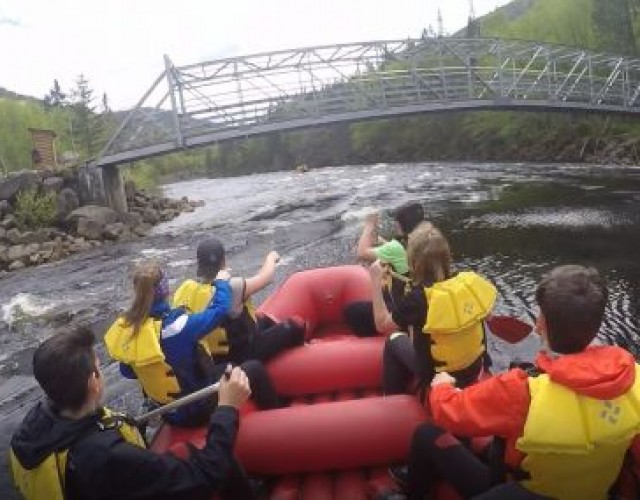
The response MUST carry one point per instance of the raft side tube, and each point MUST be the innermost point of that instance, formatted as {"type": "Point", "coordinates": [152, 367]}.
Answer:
{"type": "Point", "coordinates": [324, 367]}
{"type": "Point", "coordinates": [329, 436]}
{"type": "Point", "coordinates": [318, 295]}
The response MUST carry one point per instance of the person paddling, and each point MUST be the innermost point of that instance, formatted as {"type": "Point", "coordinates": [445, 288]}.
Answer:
{"type": "Point", "coordinates": [563, 426]}
{"type": "Point", "coordinates": [439, 323]}
{"type": "Point", "coordinates": [359, 315]}
{"type": "Point", "coordinates": [72, 447]}
{"type": "Point", "coordinates": [243, 334]}
{"type": "Point", "coordinates": [161, 347]}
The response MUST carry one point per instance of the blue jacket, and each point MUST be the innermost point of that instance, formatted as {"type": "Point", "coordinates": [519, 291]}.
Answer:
{"type": "Point", "coordinates": [179, 339]}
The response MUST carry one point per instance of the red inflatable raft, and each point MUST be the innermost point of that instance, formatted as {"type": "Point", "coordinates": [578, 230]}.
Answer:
{"type": "Point", "coordinates": [339, 435]}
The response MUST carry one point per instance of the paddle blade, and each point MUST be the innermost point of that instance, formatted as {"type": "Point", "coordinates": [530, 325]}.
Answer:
{"type": "Point", "coordinates": [509, 328]}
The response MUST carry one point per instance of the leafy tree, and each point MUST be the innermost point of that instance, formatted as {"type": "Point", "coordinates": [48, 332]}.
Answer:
{"type": "Point", "coordinates": [613, 23]}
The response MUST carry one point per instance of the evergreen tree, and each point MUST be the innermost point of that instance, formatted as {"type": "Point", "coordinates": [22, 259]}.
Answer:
{"type": "Point", "coordinates": [55, 98]}
{"type": "Point", "coordinates": [86, 126]}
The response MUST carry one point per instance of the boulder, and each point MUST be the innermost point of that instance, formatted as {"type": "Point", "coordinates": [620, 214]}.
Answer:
{"type": "Point", "coordinates": [96, 213]}
{"type": "Point", "coordinates": [167, 214]}
{"type": "Point", "coordinates": [50, 245]}
{"type": "Point", "coordinates": [8, 222]}
{"type": "Point", "coordinates": [53, 184]}
{"type": "Point", "coordinates": [38, 236]}
{"type": "Point", "coordinates": [3, 234]}
{"type": "Point", "coordinates": [131, 219]}
{"type": "Point", "coordinates": [89, 228]}
{"type": "Point", "coordinates": [113, 231]}
{"type": "Point", "coordinates": [18, 253]}
{"type": "Point", "coordinates": [17, 182]}
{"type": "Point", "coordinates": [14, 236]}
{"type": "Point", "coordinates": [15, 265]}
{"type": "Point", "coordinates": [142, 229]}
{"type": "Point", "coordinates": [45, 255]}
{"type": "Point", "coordinates": [150, 216]}
{"type": "Point", "coordinates": [67, 202]}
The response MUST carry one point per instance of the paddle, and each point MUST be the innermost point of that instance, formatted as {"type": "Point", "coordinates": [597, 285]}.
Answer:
{"type": "Point", "coordinates": [194, 396]}
{"type": "Point", "coordinates": [508, 328]}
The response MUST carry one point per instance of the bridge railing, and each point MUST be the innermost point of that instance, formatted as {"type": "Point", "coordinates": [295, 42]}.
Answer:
{"type": "Point", "coordinates": [202, 103]}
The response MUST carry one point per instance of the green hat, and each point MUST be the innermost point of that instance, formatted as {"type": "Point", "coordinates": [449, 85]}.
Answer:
{"type": "Point", "coordinates": [392, 252]}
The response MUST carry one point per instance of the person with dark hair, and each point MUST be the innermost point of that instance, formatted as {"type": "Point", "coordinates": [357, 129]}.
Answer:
{"type": "Point", "coordinates": [393, 255]}
{"type": "Point", "coordinates": [562, 427]}
{"type": "Point", "coordinates": [72, 447]}
{"type": "Point", "coordinates": [162, 347]}
{"type": "Point", "coordinates": [243, 334]}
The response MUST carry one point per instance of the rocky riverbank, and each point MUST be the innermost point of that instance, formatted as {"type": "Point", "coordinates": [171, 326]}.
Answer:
{"type": "Point", "coordinates": [29, 198]}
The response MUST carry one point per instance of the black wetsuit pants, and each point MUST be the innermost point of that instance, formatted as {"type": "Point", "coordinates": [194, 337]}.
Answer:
{"type": "Point", "coordinates": [263, 391]}
{"type": "Point", "coordinates": [272, 338]}
{"type": "Point", "coordinates": [437, 455]}
{"type": "Point", "coordinates": [358, 316]}
{"type": "Point", "coordinates": [400, 366]}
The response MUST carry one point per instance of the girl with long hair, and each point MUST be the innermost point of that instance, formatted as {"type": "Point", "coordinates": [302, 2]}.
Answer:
{"type": "Point", "coordinates": [160, 346]}
{"type": "Point", "coordinates": [439, 323]}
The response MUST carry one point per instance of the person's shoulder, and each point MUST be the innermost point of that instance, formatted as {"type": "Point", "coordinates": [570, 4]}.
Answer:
{"type": "Point", "coordinates": [174, 322]}
{"type": "Point", "coordinates": [392, 244]}
{"type": "Point", "coordinates": [236, 281]}
{"type": "Point", "coordinates": [188, 282]}
{"type": "Point", "coordinates": [237, 284]}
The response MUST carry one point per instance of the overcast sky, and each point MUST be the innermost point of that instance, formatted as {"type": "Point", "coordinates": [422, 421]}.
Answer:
{"type": "Point", "coordinates": [118, 44]}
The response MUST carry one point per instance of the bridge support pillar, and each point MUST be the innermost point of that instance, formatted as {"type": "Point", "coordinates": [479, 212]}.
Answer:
{"type": "Point", "coordinates": [114, 188]}
{"type": "Point", "coordinates": [103, 186]}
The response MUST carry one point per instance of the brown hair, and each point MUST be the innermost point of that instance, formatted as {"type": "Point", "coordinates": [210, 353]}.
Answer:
{"type": "Point", "coordinates": [428, 254]}
{"type": "Point", "coordinates": [145, 276]}
{"type": "Point", "coordinates": [572, 300]}
{"type": "Point", "coordinates": [62, 365]}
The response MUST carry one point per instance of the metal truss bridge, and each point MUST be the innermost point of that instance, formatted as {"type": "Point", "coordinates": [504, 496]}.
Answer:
{"type": "Point", "coordinates": [200, 104]}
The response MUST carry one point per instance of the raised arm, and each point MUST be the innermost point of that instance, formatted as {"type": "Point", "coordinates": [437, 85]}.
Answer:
{"type": "Point", "coordinates": [368, 239]}
{"type": "Point", "coordinates": [264, 276]}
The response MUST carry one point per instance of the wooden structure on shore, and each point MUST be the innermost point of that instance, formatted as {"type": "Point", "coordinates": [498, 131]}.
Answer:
{"type": "Point", "coordinates": [43, 153]}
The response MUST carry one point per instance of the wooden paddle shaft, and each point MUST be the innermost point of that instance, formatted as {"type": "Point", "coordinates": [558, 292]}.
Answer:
{"type": "Point", "coordinates": [195, 396]}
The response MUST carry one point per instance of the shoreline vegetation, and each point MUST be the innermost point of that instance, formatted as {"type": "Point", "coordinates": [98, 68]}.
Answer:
{"type": "Point", "coordinates": [83, 123]}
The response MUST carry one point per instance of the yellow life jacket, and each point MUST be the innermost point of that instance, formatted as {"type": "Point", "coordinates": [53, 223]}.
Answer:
{"type": "Point", "coordinates": [47, 480]}
{"type": "Point", "coordinates": [143, 353]}
{"type": "Point", "coordinates": [195, 297]}
{"type": "Point", "coordinates": [575, 445]}
{"type": "Point", "coordinates": [456, 310]}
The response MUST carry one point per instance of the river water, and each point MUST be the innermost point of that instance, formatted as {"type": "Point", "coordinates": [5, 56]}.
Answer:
{"type": "Point", "coordinates": [509, 222]}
